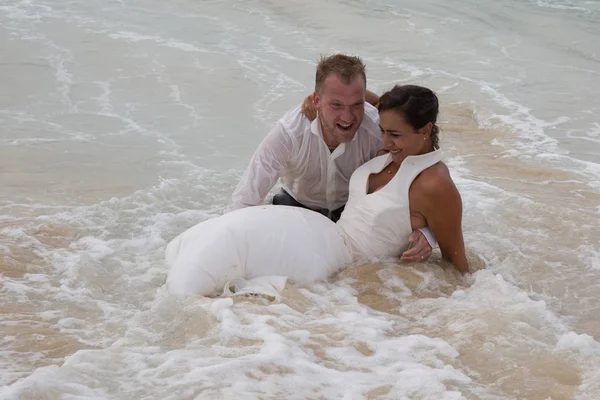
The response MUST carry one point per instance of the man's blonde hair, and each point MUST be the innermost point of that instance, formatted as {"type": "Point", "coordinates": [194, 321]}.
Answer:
{"type": "Point", "coordinates": [347, 68]}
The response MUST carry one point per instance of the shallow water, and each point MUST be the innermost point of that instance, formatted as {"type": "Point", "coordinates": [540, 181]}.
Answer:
{"type": "Point", "coordinates": [123, 123]}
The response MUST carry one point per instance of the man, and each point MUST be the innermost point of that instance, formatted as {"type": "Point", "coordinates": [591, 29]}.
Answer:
{"type": "Point", "coordinates": [315, 160]}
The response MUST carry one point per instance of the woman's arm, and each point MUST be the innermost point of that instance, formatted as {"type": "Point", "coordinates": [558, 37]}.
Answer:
{"type": "Point", "coordinates": [442, 208]}
{"type": "Point", "coordinates": [372, 98]}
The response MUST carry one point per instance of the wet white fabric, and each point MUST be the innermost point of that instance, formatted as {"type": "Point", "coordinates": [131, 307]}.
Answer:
{"type": "Point", "coordinates": [295, 151]}
{"type": "Point", "coordinates": [300, 244]}
{"type": "Point", "coordinates": [266, 287]}
{"type": "Point", "coordinates": [378, 224]}
{"type": "Point", "coordinates": [255, 241]}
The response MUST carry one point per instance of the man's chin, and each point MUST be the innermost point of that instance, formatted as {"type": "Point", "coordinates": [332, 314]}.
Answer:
{"type": "Point", "coordinates": [345, 137]}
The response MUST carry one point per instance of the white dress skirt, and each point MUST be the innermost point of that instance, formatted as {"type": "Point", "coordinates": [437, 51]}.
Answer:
{"type": "Point", "coordinates": [300, 244]}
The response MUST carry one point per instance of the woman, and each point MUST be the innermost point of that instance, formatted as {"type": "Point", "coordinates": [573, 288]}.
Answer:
{"type": "Point", "coordinates": [416, 176]}
{"type": "Point", "coordinates": [389, 196]}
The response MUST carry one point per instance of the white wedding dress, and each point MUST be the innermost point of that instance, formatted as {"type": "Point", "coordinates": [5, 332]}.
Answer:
{"type": "Point", "coordinates": [297, 243]}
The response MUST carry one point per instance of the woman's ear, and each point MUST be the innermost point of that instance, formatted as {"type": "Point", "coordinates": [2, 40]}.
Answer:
{"type": "Point", "coordinates": [426, 130]}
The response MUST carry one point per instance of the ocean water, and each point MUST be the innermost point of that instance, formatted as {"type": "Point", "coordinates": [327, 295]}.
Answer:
{"type": "Point", "coordinates": [124, 122]}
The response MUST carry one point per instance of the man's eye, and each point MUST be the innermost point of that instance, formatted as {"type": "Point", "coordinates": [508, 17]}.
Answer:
{"type": "Point", "coordinates": [337, 105]}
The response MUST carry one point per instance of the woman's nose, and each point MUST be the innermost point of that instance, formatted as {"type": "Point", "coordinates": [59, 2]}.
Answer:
{"type": "Point", "coordinates": [385, 139]}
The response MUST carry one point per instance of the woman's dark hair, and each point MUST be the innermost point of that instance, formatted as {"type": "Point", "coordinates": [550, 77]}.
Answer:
{"type": "Point", "coordinates": [418, 105]}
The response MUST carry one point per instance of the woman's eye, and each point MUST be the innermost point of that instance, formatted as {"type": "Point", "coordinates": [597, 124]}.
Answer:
{"type": "Point", "coordinates": [392, 134]}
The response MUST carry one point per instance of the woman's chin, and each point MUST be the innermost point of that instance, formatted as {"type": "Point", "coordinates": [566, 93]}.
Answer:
{"type": "Point", "coordinates": [398, 157]}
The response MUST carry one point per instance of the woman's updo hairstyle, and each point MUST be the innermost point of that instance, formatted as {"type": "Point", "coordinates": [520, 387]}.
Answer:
{"type": "Point", "coordinates": [418, 105]}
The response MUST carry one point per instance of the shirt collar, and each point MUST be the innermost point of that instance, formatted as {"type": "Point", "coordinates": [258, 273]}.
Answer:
{"type": "Point", "coordinates": [315, 127]}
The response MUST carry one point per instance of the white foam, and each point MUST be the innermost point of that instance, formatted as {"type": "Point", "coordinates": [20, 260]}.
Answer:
{"type": "Point", "coordinates": [270, 366]}
{"type": "Point", "coordinates": [562, 6]}
{"type": "Point", "coordinates": [591, 256]}
{"type": "Point", "coordinates": [535, 143]}
{"type": "Point", "coordinates": [104, 98]}
{"type": "Point", "coordinates": [586, 351]}
{"type": "Point", "coordinates": [595, 130]}
{"type": "Point", "coordinates": [406, 364]}
{"type": "Point", "coordinates": [584, 344]}
{"type": "Point", "coordinates": [172, 43]}
{"type": "Point", "coordinates": [27, 141]}
{"type": "Point", "coordinates": [448, 87]}
{"type": "Point", "coordinates": [521, 120]}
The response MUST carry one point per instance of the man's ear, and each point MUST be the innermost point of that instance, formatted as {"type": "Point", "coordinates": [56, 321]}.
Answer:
{"type": "Point", "coordinates": [316, 100]}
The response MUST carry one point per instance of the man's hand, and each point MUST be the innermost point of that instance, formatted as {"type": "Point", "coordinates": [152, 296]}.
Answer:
{"type": "Point", "coordinates": [308, 108]}
{"type": "Point", "coordinates": [418, 250]}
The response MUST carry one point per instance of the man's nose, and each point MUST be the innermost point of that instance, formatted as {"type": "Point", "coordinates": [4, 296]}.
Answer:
{"type": "Point", "coordinates": [347, 115]}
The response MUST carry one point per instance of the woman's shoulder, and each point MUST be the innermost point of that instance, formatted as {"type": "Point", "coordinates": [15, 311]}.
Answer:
{"type": "Point", "coordinates": [435, 180]}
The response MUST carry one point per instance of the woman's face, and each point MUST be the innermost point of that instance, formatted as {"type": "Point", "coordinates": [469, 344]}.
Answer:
{"type": "Point", "coordinates": [400, 139]}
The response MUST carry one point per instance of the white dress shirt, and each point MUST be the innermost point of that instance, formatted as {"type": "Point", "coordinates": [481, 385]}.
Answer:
{"type": "Point", "coordinates": [295, 152]}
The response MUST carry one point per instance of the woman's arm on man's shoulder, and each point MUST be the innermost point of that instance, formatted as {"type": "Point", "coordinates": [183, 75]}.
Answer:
{"type": "Point", "coordinates": [372, 98]}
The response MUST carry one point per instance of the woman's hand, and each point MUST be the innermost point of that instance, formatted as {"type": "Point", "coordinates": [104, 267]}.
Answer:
{"type": "Point", "coordinates": [308, 108]}
{"type": "Point", "coordinates": [419, 248]}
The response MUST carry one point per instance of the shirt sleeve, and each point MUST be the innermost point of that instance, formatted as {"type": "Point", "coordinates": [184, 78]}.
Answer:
{"type": "Point", "coordinates": [266, 166]}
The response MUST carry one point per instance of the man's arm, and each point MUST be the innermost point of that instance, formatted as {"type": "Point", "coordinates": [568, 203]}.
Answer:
{"type": "Point", "coordinates": [266, 166]}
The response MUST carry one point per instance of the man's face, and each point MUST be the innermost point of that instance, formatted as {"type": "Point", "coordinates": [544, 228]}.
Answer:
{"type": "Point", "coordinates": [341, 108]}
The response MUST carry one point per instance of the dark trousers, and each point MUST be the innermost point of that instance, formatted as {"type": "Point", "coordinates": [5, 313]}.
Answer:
{"type": "Point", "coordinates": [283, 198]}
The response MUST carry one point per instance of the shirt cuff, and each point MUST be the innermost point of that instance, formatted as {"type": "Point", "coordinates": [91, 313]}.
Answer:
{"type": "Point", "coordinates": [429, 236]}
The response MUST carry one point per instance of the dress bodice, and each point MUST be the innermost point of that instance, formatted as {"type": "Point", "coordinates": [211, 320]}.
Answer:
{"type": "Point", "coordinates": [378, 224]}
